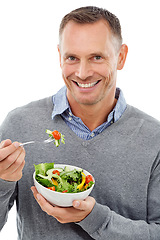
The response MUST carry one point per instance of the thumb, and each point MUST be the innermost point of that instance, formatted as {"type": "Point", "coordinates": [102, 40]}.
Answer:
{"type": "Point", "coordinates": [86, 204]}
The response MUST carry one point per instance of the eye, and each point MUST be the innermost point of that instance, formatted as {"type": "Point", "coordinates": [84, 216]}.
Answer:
{"type": "Point", "coordinates": [71, 58]}
{"type": "Point", "coordinates": [97, 58]}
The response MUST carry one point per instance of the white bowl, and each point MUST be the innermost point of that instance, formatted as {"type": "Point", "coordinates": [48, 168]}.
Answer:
{"type": "Point", "coordinates": [58, 198]}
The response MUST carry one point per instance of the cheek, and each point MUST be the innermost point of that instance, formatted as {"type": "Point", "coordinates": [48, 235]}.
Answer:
{"type": "Point", "coordinates": [104, 71]}
{"type": "Point", "coordinates": [109, 73]}
{"type": "Point", "coordinates": [110, 70]}
{"type": "Point", "coordinates": [67, 71]}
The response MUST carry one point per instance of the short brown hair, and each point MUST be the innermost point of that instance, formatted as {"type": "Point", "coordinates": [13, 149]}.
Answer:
{"type": "Point", "coordinates": [92, 14]}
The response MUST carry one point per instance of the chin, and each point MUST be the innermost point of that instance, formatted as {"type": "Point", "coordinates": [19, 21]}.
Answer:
{"type": "Point", "coordinates": [88, 102]}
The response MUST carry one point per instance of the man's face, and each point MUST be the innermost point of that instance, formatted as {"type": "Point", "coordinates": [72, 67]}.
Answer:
{"type": "Point", "coordinates": [89, 61]}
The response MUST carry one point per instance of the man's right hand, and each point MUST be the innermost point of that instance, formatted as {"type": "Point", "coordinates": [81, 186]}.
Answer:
{"type": "Point", "coordinates": [11, 160]}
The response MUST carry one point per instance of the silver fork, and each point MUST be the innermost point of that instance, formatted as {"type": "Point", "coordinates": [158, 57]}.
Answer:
{"type": "Point", "coordinates": [45, 141]}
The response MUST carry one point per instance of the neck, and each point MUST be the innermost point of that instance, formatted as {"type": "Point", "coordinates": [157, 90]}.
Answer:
{"type": "Point", "coordinates": [93, 115]}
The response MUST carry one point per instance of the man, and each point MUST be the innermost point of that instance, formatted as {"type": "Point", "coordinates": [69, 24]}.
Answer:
{"type": "Point", "coordinates": [117, 143]}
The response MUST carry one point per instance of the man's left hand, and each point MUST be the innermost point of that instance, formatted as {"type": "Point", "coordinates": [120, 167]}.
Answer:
{"type": "Point", "coordinates": [80, 210]}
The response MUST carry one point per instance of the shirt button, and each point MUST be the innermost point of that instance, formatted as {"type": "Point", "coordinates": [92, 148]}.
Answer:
{"type": "Point", "coordinates": [92, 134]}
{"type": "Point", "coordinates": [112, 122]}
{"type": "Point", "coordinates": [70, 114]}
{"type": "Point", "coordinates": [69, 118]}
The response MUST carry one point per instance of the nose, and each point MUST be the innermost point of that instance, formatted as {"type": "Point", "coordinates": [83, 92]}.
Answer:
{"type": "Point", "coordinates": [84, 70]}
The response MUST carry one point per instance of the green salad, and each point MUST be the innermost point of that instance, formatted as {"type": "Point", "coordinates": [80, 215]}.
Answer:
{"type": "Point", "coordinates": [56, 136]}
{"type": "Point", "coordinates": [62, 179]}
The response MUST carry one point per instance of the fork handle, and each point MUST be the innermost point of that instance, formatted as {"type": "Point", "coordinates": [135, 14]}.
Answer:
{"type": "Point", "coordinates": [22, 144]}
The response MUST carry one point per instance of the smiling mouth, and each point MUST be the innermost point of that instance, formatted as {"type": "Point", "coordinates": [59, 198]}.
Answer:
{"type": "Point", "coordinates": [87, 85]}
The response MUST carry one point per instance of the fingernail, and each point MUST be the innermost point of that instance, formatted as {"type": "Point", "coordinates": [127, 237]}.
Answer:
{"type": "Point", "coordinates": [16, 144]}
{"type": "Point", "coordinates": [76, 204]}
{"type": "Point", "coordinates": [21, 146]}
{"type": "Point", "coordinates": [38, 197]}
{"type": "Point", "coordinates": [2, 144]}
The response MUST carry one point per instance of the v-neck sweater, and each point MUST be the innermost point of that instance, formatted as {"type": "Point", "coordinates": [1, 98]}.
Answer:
{"type": "Point", "coordinates": [124, 160]}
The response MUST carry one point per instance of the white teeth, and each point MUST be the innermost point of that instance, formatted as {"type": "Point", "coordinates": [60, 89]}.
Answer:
{"type": "Point", "coordinates": [87, 85]}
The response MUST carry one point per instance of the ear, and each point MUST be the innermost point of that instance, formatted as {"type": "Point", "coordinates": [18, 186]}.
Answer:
{"type": "Point", "coordinates": [122, 56]}
{"type": "Point", "coordinates": [58, 47]}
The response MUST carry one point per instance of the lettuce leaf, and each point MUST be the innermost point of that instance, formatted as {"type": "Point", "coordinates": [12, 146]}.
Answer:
{"type": "Point", "coordinates": [63, 185]}
{"type": "Point", "coordinates": [44, 182]}
{"type": "Point", "coordinates": [42, 168]}
{"type": "Point", "coordinates": [73, 175]}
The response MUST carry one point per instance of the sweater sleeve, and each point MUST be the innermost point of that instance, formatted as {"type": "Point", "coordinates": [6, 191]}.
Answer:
{"type": "Point", "coordinates": [8, 190]}
{"type": "Point", "coordinates": [103, 223]}
{"type": "Point", "coordinates": [7, 197]}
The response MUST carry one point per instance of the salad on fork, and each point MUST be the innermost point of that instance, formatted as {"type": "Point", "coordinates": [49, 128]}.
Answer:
{"type": "Point", "coordinates": [55, 136]}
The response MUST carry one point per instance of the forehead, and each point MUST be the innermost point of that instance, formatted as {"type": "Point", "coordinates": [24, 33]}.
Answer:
{"type": "Point", "coordinates": [88, 35]}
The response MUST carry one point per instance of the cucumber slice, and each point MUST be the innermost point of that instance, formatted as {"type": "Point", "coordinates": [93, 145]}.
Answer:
{"type": "Point", "coordinates": [51, 170]}
{"type": "Point", "coordinates": [66, 169]}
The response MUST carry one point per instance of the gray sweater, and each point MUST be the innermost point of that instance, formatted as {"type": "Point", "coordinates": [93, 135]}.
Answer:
{"type": "Point", "coordinates": [124, 159]}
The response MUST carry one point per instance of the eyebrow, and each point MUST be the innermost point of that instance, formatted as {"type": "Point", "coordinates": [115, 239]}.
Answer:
{"type": "Point", "coordinates": [97, 54]}
{"type": "Point", "coordinates": [67, 54]}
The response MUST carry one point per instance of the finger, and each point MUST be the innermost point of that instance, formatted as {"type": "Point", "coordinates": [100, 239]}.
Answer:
{"type": "Point", "coordinates": [45, 206]}
{"type": "Point", "coordinates": [86, 204]}
{"type": "Point", "coordinates": [19, 161]}
{"type": "Point", "coordinates": [17, 175]}
{"type": "Point", "coordinates": [14, 172]}
{"type": "Point", "coordinates": [37, 196]}
{"type": "Point", "coordinates": [34, 191]}
{"type": "Point", "coordinates": [5, 143]}
{"type": "Point", "coordinates": [5, 151]}
{"type": "Point", "coordinates": [11, 159]}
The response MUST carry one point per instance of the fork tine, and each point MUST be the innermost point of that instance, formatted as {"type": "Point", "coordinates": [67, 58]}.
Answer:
{"type": "Point", "coordinates": [48, 140]}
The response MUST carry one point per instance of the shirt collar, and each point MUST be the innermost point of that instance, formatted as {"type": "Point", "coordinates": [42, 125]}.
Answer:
{"type": "Point", "coordinates": [61, 103]}
{"type": "Point", "coordinates": [120, 105]}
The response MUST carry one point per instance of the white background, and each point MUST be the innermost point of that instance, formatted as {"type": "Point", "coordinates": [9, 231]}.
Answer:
{"type": "Point", "coordinates": [29, 64]}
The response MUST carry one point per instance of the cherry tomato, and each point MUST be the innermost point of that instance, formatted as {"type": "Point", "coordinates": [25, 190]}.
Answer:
{"type": "Point", "coordinates": [56, 171]}
{"type": "Point", "coordinates": [56, 134]}
{"type": "Point", "coordinates": [89, 178]}
{"type": "Point", "coordinates": [52, 188]}
{"type": "Point", "coordinates": [64, 191]}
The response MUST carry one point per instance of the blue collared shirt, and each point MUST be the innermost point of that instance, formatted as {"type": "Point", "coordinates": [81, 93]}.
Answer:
{"type": "Point", "coordinates": [61, 106]}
